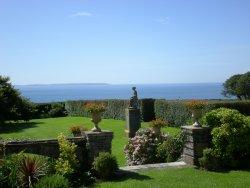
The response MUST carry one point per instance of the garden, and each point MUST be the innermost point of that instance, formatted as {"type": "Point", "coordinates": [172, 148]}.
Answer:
{"type": "Point", "coordinates": [223, 162]}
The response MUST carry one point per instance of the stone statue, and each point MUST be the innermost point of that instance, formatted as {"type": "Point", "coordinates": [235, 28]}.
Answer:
{"type": "Point", "coordinates": [134, 102]}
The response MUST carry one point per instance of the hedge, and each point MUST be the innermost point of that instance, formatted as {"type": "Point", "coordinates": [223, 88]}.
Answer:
{"type": "Point", "coordinates": [177, 114]}
{"type": "Point", "coordinates": [115, 109]}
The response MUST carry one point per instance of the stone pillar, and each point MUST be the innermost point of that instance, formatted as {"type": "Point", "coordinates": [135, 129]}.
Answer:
{"type": "Point", "coordinates": [99, 142]}
{"type": "Point", "coordinates": [133, 121]}
{"type": "Point", "coordinates": [197, 139]}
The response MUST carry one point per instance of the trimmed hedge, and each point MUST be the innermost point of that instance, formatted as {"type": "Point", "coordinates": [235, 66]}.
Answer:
{"type": "Point", "coordinates": [147, 109]}
{"type": "Point", "coordinates": [115, 108]}
{"type": "Point", "coordinates": [177, 114]}
{"type": "Point", "coordinates": [174, 112]}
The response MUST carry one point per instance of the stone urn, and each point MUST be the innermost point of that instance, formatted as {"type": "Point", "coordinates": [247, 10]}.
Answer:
{"type": "Point", "coordinates": [196, 115]}
{"type": "Point", "coordinates": [96, 118]}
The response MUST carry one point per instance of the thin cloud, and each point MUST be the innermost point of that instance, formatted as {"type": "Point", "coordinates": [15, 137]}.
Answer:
{"type": "Point", "coordinates": [163, 20]}
{"type": "Point", "coordinates": [80, 14]}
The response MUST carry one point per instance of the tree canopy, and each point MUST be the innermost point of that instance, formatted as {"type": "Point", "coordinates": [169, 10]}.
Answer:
{"type": "Point", "coordinates": [12, 105]}
{"type": "Point", "coordinates": [238, 85]}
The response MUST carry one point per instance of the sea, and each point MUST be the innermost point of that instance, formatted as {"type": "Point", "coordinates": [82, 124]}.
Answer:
{"type": "Point", "coordinates": [65, 92]}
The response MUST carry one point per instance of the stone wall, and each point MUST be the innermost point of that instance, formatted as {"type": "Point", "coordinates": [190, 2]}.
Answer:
{"type": "Point", "coordinates": [98, 142]}
{"type": "Point", "coordinates": [88, 146]}
{"type": "Point", "coordinates": [197, 139]}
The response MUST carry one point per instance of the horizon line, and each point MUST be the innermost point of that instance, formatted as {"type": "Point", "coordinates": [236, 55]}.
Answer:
{"type": "Point", "coordinates": [96, 83]}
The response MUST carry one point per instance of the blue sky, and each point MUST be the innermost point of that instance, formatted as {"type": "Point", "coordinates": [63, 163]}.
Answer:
{"type": "Point", "coordinates": [129, 41]}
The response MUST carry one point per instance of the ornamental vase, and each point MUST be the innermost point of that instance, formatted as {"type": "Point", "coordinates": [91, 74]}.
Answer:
{"type": "Point", "coordinates": [96, 118]}
{"type": "Point", "coordinates": [196, 115]}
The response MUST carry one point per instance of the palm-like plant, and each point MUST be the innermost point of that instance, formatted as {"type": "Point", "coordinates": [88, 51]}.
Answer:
{"type": "Point", "coordinates": [30, 170]}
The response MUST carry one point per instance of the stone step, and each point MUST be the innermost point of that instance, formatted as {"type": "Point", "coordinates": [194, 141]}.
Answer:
{"type": "Point", "coordinates": [178, 164]}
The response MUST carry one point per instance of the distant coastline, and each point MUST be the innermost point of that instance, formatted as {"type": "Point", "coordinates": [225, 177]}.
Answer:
{"type": "Point", "coordinates": [88, 91]}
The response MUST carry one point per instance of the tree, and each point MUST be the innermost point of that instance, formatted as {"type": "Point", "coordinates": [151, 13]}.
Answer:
{"type": "Point", "coordinates": [12, 105]}
{"type": "Point", "coordinates": [237, 85]}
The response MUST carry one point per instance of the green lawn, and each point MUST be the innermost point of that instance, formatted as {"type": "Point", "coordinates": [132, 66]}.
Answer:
{"type": "Point", "coordinates": [185, 177]}
{"type": "Point", "coordinates": [51, 127]}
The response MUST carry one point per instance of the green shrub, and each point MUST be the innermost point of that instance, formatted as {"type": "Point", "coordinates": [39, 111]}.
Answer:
{"type": "Point", "coordinates": [46, 110]}
{"type": "Point", "coordinates": [30, 169]}
{"type": "Point", "coordinates": [53, 181]}
{"type": "Point", "coordinates": [230, 136]}
{"type": "Point", "coordinates": [142, 148]}
{"type": "Point", "coordinates": [9, 170]}
{"type": "Point", "coordinates": [105, 165]}
{"type": "Point", "coordinates": [67, 161]}
{"type": "Point", "coordinates": [147, 109]}
{"type": "Point", "coordinates": [210, 160]}
{"type": "Point", "coordinates": [13, 171]}
{"type": "Point", "coordinates": [171, 149]}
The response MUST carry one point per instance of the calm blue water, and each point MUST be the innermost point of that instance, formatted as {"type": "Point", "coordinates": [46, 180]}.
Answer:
{"type": "Point", "coordinates": [63, 92]}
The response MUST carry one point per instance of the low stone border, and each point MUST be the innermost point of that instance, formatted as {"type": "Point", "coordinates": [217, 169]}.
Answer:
{"type": "Point", "coordinates": [179, 164]}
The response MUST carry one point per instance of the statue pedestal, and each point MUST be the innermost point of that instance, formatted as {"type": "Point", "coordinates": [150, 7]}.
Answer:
{"type": "Point", "coordinates": [133, 121]}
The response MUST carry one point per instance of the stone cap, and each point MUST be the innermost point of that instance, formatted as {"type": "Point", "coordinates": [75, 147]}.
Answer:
{"type": "Point", "coordinates": [37, 141]}
{"type": "Point", "coordinates": [192, 128]}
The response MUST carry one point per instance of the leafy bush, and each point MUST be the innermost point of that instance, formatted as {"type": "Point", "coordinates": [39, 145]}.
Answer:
{"type": "Point", "coordinates": [230, 136]}
{"type": "Point", "coordinates": [57, 110]}
{"type": "Point", "coordinates": [46, 110]}
{"type": "Point", "coordinates": [157, 123]}
{"type": "Point", "coordinates": [67, 161]}
{"type": "Point", "coordinates": [31, 168]}
{"type": "Point", "coordinates": [210, 160]}
{"type": "Point", "coordinates": [142, 148]}
{"type": "Point", "coordinates": [77, 129]}
{"type": "Point", "coordinates": [53, 181]}
{"type": "Point", "coordinates": [15, 169]}
{"type": "Point", "coordinates": [105, 165]}
{"type": "Point", "coordinates": [171, 149]}
{"type": "Point", "coordinates": [9, 170]}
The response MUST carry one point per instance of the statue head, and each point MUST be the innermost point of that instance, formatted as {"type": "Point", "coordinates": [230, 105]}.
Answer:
{"type": "Point", "coordinates": [133, 88]}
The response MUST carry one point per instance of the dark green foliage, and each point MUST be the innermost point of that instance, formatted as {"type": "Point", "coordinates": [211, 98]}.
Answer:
{"type": "Point", "coordinates": [46, 110]}
{"type": "Point", "coordinates": [177, 114]}
{"type": "Point", "coordinates": [171, 149]}
{"type": "Point", "coordinates": [238, 85]}
{"type": "Point", "coordinates": [53, 181]}
{"type": "Point", "coordinates": [242, 106]}
{"type": "Point", "coordinates": [30, 170]}
{"type": "Point", "coordinates": [13, 171]}
{"type": "Point", "coordinates": [105, 165]}
{"type": "Point", "coordinates": [9, 170]}
{"type": "Point", "coordinates": [230, 136]}
{"type": "Point", "coordinates": [174, 112]}
{"type": "Point", "coordinates": [210, 160]}
{"type": "Point", "coordinates": [147, 109]}
{"type": "Point", "coordinates": [12, 105]}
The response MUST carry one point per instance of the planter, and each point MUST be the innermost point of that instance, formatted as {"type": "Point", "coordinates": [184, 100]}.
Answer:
{"type": "Point", "coordinates": [96, 118]}
{"type": "Point", "coordinates": [79, 134]}
{"type": "Point", "coordinates": [196, 115]}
